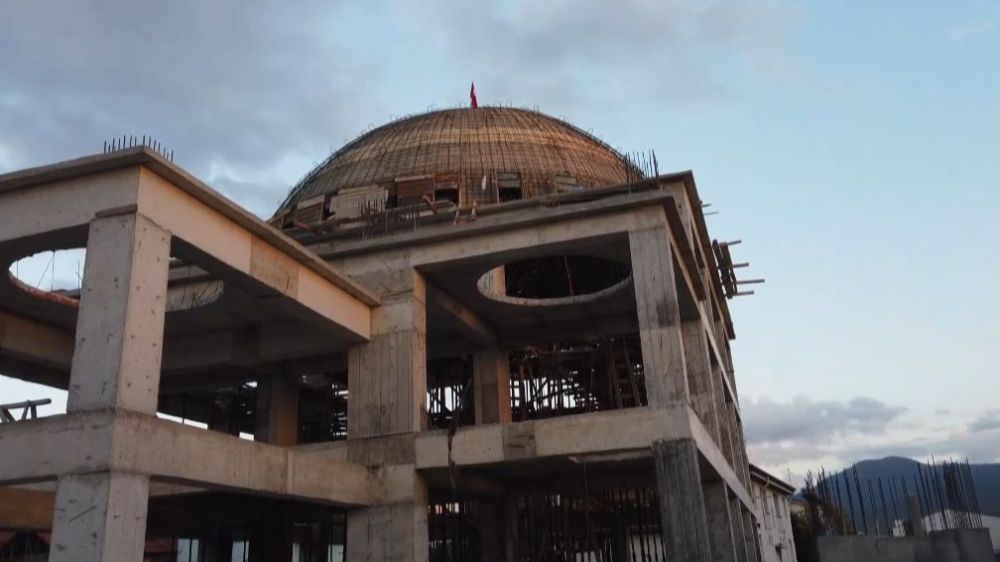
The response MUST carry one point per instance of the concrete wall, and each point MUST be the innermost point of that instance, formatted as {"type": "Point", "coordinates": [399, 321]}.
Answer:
{"type": "Point", "coordinates": [933, 522]}
{"type": "Point", "coordinates": [942, 546]}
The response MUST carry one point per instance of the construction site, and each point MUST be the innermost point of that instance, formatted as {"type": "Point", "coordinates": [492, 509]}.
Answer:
{"type": "Point", "coordinates": [470, 334]}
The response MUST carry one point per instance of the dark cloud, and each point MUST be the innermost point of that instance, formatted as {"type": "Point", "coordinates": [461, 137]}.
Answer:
{"type": "Point", "coordinates": [567, 51]}
{"type": "Point", "coordinates": [986, 422]}
{"type": "Point", "coordinates": [235, 88]}
{"type": "Point", "coordinates": [811, 422]}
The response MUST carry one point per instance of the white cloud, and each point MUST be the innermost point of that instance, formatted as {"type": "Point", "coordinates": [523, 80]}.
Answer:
{"type": "Point", "coordinates": [805, 434]}
{"type": "Point", "coordinates": [803, 420]}
{"type": "Point", "coordinates": [970, 31]}
{"type": "Point", "coordinates": [566, 52]}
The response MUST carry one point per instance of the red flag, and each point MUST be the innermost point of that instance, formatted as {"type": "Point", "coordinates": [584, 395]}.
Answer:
{"type": "Point", "coordinates": [472, 96]}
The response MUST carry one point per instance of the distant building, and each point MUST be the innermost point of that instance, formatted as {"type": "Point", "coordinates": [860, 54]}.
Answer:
{"type": "Point", "coordinates": [773, 498]}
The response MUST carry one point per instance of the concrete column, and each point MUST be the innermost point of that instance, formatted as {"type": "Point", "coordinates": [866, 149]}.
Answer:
{"type": "Point", "coordinates": [722, 409]}
{"type": "Point", "coordinates": [491, 376]}
{"type": "Point", "coordinates": [387, 377]}
{"type": "Point", "coordinates": [743, 468]}
{"type": "Point", "coordinates": [387, 380]}
{"type": "Point", "coordinates": [753, 536]}
{"type": "Point", "coordinates": [700, 376]}
{"type": "Point", "coordinates": [100, 517]}
{"type": "Point", "coordinates": [740, 535]}
{"type": "Point", "coordinates": [119, 329]}
{"type": "Point", "coordinates": [659, 317]}
{"type": "Point", "coordinates": [683, 520]}
{"type": "Point", "coordinates": [720, 524]}
{"type": "Point", "coordinates": [390, 533]}
{"type": "Point", "coordinates": [277, 420]}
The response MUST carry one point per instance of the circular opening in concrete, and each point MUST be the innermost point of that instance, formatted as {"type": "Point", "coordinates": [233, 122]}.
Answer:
{"type": "Point", "coordinates": [53, 274]}
{"type": "Point", "coordinates": [554, 280]}
{"type": "Point", "coordinates": [57, 276]}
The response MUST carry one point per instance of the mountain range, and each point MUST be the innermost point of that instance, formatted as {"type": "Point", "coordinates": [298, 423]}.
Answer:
{"type": "Point", "coordinates": [885, 501]}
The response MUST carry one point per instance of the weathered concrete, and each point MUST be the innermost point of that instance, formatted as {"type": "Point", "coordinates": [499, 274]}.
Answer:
{"type": "Point", "coordinates": [753, 539]}
{"type": "Point", "coordinates": [397, 529]}
{"type": "Point", "coordinates": [683, 520]}
{"type": "Point", "coordinates": [393, 533]}
{"type": "Point", "coordinates": [966, 545]}
{"type": "Point", "coordinates": [135, 443]}
{"type": "Point", "coordinates": [633, 429]}
{"type": "Point", "coordinates": [388, 375]}
{"type": "Point", "coordinates": [659, 316]}
{"type": "Point", "coordinates": [741, 535]}
{"type": "Point", "coordinates": [701, 382]}
{"type": "Point", "coordinates": [388, 382]}
{"type": "Point", "coordinates": [720, 524]}
{"type": "Point", "coordinates": [100, 517]}
{"type": "Point", "coordinates": [120, 325]}
{"type": "Point", "coordinates": [491, 377]}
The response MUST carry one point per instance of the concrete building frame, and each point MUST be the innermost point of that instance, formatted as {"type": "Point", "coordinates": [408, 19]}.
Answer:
{"type": "Point", "coordinates": [380, 307]}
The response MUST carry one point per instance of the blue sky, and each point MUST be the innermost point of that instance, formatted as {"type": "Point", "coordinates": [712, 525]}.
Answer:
{"type": "Point", "coordinates": [852, 146]}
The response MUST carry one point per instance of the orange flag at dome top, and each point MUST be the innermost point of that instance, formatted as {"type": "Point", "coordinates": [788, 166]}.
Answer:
{"type": "Point", "coordinates": [472, 96]}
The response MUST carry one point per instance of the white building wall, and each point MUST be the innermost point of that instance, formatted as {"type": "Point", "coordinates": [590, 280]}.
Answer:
{"type": "Point", "coordinates": [775, 526]}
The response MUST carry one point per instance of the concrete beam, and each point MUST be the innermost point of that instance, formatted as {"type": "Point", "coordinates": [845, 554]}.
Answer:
{"type": "Point", "coordinates": [262, 255]}
{"type": "Point", "coordinates": [601, 433]}
{"type": "Point", "coordinates": [467, 320]}
{"type": "Point", "coordinates": [49, 349]}
{"type": "Point", "coordinates": [33, 341]}
{"type": "Point", "coordinates": [143, 444]}
{"type": "Point", "coordinates": [28, 212]}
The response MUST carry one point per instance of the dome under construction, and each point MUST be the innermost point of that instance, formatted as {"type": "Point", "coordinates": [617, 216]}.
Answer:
{"type": "Point", "coordinates": [467, 156]}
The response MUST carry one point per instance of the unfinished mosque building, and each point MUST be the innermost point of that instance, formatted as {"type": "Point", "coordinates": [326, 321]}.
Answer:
{"type": "Point", "coordinates": [471, 334]}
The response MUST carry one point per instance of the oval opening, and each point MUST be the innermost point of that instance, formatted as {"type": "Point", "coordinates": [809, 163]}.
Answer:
{"type": "Point", "coordinates": [56, 274]}
{"type": "Point", "coordinates": [552, 280]}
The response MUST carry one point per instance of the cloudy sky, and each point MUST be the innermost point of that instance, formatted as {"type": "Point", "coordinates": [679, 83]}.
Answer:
{"type": "Point", "coordinates": [853, 147]}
